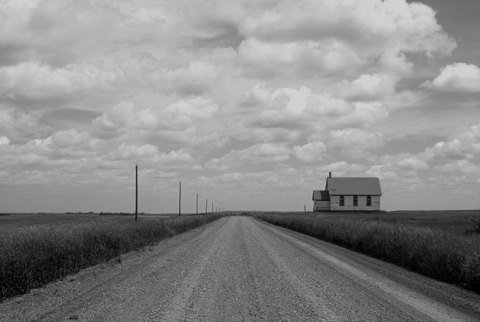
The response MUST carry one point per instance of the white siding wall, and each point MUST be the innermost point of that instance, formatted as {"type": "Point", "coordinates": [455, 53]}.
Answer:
{"type": "Point", "coordinates": [362, 204]}
{"type": "Point", "coordinates": [321, 205]}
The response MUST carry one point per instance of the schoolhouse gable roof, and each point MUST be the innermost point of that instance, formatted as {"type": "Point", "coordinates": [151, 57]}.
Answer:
{"type": "Point", "coordinates": [353, 186]}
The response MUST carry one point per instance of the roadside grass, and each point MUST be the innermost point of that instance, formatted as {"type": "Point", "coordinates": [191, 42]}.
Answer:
{"type": "Point", "coordinates": [475, 229]}
{"type": "Point", "coordinates": [34, 255]}
{"type": "Point", "coordinates": [448, 257]}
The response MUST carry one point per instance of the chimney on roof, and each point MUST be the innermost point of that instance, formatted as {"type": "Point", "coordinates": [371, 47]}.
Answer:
{"type": "Point", "coordinates": [329, 174]}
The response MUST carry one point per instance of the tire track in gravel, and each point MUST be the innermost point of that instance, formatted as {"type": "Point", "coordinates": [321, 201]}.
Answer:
{"type": "Point", "coordinates": [176, 308]}
{"type": "Point", "coordinates": [413, 295]}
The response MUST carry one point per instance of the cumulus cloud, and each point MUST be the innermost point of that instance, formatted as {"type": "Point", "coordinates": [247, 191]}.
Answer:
{"type": "Point", "coordinates": [372, 22]}
{"type": "Point", "coordinates": [194, 79]}
{"type": "Point", "coordinates": [353, 139]}
{"type": "Point", "coordinates": [179, 115]}
{"type": "Point", "coordinates": [256, 154]}
{"type": "Point", "coordinates": [269, 60]}
{"type": "Point", "coordinates": [324, 37]}
{"type": "Point", "coordinates": [472, 135]}
{"type": "Point", "coordinates": [458, 77]}
{"type": "Point", "coordinates": [461, 146]}
{"type": "Point", "coordinates": [150, 154]}
{"type": "Point", "coordinates": [310, 152]}
{"type": "Point", "coordinates": [258, 95]}
{"type": "Point", "coordinates": [4, 140]}
{"type": "Point", "coordinates": [369, 87]}
{"type": "Point", "coordinates": [448, 150]}
{"type": "Point", "coordinates": [291, 108]}
{"type": "Point", "coordinates": [33, 80]}
{"type": "Point", "coordinates": [454, 149]}
{"type": "Point", "coordinates": [406, 162]}
{"type": "Point", "coordinates": [13, 119]}
{"type": "Point", "coordinates": [74, 140]}
{"type": "Point", "coordinates": [461, 167]}
{"type": "Point", "coordinates": [343, 166]}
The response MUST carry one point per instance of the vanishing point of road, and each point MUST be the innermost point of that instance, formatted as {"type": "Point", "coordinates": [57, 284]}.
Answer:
{"type": "Point", "coordinates": [241, 269]}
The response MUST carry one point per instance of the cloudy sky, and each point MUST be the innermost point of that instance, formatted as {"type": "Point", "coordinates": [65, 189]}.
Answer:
{"type": "Point", "coordinates": [249, 103]}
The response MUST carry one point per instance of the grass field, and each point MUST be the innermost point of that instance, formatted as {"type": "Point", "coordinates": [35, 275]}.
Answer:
{"type": "Point", "coordinates": [30, 219]}
{"type": "Point", "coordinates": [454, 221]}
{"type": "Point", "coordinates": [37, 249]}
{"type": "Point", "coordinates": [443, 245]}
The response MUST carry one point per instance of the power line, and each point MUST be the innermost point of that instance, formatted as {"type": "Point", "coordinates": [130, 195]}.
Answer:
{"type": "Point", "coordinates": [38, 117]}
{"type": "Point", "coordinates": [48, 144]}
{"type": "Point", "coordinates": [53, 127]}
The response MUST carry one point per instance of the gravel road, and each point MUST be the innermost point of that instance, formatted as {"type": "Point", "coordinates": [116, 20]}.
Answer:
{"type": "Point", "coordinates": [241, 269]}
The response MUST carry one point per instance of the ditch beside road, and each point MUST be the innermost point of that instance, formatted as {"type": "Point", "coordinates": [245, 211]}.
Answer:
{"type": "Point", "coordinates": [241, 269]}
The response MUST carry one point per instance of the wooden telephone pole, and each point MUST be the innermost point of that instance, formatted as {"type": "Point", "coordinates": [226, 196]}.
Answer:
{"type": "Point", "coordinates": [136, 192]}
{"type": "Point", "coordinates": [180, 199]}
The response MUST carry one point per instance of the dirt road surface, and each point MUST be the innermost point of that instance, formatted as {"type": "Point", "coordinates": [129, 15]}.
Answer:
{"type": "Point", "coordinates": [241, 269]}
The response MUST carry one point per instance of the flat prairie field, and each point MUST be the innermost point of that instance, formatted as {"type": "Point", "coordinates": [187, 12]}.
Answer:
{"type": "Point", "coordinates": [25, 220]}
{"type": "Point", "coordinates": [453, 221]}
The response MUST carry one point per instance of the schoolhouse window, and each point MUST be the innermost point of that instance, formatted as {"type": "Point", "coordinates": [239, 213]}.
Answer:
{"type": "Point", "coordinates": [369, 201]}
{"type": "Point", "coordinates": [355, 200]}
{"type": "Point", "coordinates": [342, 201]}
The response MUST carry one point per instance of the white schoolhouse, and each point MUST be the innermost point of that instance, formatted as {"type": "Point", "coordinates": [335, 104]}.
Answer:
{"type": "Point", "coordinates": [348, 194]}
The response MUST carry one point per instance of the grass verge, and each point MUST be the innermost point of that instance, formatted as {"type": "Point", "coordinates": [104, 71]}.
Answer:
{"type": "Point", "coordinates": [34, 256]}
{"type": "Point", "coordinates": [438, 254]}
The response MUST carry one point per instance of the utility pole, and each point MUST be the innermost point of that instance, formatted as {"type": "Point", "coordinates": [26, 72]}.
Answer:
{"type": "Point", "coordinates": [212, 207]}
{"type": "Point", "coordinates": [197, 203]}
{"type": "Point", "coordinates": [206, 206]}
{"type": "Point", "coordinates": [180, 198]}
{"type": "Point", "coordinates": [136, 192]}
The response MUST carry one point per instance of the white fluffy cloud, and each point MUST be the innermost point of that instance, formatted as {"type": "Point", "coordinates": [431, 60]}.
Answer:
{"type": "Point", "coordinates": [462, 146]}
{"type": "Point", "coordinates": [458, 77]}
{"type": "Point", "coordinates": [310, 152]}
{"type": "Point", "coordinates": [179, 115]}
{"type": "Point", "coordinates": [258, 95]}
{"type": "Point", "coordinates": [272, 59]}
{"type": "Point", "coordinates": [412, 26]}
{"type": "Point", "coordinates": [449, 150]}
{"type": "Point", "coordinates": [354, 139]}
{"type": "Point", "coordinates": [301, 108]}
{"type": "Point", "coordinates": [369, 87]}
{"type": "Point", "coordinates": [405, 162]}
{"type": "Point", "coordinates": [194, 79]}
{"type": "Point", "coordinates": [33, 80]}
{"type": "Point", "coordinates": [454, 149]}
{"type": "Point", "coordinates": [325, 37]}
{"type": "Point", "coordinates": [462, 167]}
{"type": "Point", "coordinates": [256, 154]}
{"type": "Point", "coordinates": [4, 140]}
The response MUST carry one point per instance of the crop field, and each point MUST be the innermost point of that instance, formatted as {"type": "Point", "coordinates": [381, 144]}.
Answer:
{"type": "Point", "coordinates": [32, 219]}
{"type": "Point", "coordinates": [444, 245]}
{"type": "Point", "coordinates": [454, 221]}
{"type": "Point", "coordinates": [457, 222]}
{"type": "Point", "coordinates": [37, 249]}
